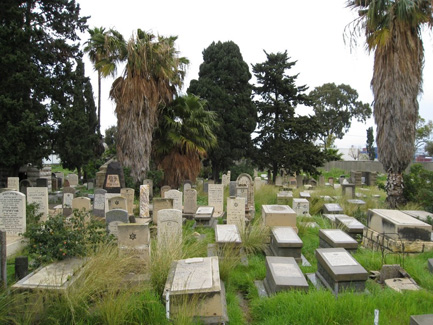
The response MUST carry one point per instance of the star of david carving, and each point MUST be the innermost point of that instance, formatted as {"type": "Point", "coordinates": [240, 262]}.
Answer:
{"type": "Point", "coordinates": [132, 236]}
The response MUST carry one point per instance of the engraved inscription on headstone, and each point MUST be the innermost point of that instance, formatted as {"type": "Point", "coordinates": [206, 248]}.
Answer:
{"type": "Point", "coordinates": [13, 212]}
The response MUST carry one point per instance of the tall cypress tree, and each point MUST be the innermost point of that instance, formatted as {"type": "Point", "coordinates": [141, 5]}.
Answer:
{"type": "Point", "coordinates": [224, 83]}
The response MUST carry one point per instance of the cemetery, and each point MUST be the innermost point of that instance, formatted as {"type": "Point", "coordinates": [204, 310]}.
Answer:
{"type": "Point", "coordinates": [188, 256]}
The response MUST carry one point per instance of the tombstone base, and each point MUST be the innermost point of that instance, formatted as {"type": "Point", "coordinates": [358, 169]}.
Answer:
{"type": "Point", "coordinates": [286, 251]}
{"type": "Point", "coordinates": [338, 286]}
{"type": "Point", "coordinates": [324, 244]}
{"type": "Point", "coordinates": [206, 223]}
{"type": "Point", "coordinates": [142, 254]}
{"type": "Point", "coordinates": [426, 319]}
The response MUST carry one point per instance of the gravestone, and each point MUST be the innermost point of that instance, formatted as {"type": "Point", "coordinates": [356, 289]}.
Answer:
{"type": "Point", "coordinates": [227, 234]}
{"type": "Point", "coordinates": [356, 202]}
{"type": "Point", "coordinates": [258, 183]}
{"type": "Point", "coordinates": [190, 201]}
{"type": "Point", "coordinates": [160, 204]}
{"type": "Point", "coordinates": [54, 184]}
{"type": "Point", "coordinates": [83, 204]}
{"type": "Point", "coordinates": [278, 180]}
{"type": "Point", "coordinates": [216, 197]}
{"type": "Point", "coordinates": [321, 180]}
{"type": "Point", "coordinates": [225, 180]}
{"type": "Point", "coordinates": [114, 178]}
{"type": "Point", "coordinates": [348, 190]}
{"type": "Point", "coordinates": [24, 184]}
{"type": "Point", "coordinates": [200, 277]}
{"type": "Point", "coordinates": [14, 183]}
{"type": "Point", "coordinates": [99, 203]}
{"type": "Point", "coordinates": [283, 273]}
{"type": "Point", "coordinates": [117, 202]}
{"type": "Point", "coordinates": [66, 183]}
{"type": "Point", "coordinates": [299, 180]}
{"type": "Point", "coordinates": [278, 215]}
{"type": "Point", "coordinates": [128, 194]}
{"type": "Point", "coordinates": [68, 196]}
{"type": "Point", "coordinates": [301, 207]}
{"type": "Point", "coordinates": [12, 212]}
{"type": "Point", "coordinates": [398, 225]}
{"type": "Point", "coordinates": [286, 242]}
{"type": "Point", "coordinates": [164, 189]}
{"type": "Point", "coordinates": [39, 195]}
{"type": "Point", "coordinates": [169, 228]}
{"type": "Point", "coordinates": [421, 215]}
{"type": "Point", "coordinates": [350, 225]}
{"type": "Point", "coordinates": [331, 181]}
{"type": "Point", "coordinates": [61, 176]}
{"type": "Point", "coordinates": [285, 198]}
{"type": "Point", "coordinates": [332, 208]}
{"type": "Point", "coordinates": [236, 212]}
{"type": "Point", "coordinates": [144, 201]}
{"type": "Point", "coordinates": [41, 182]}
{"type": "Point", "coordinates": [115, 217]}
{"type": "Point", "coordinates": [177, 198]}
{"type": "Point", "coordinates": [133, 239]}
{"type": "Point", "coordinates": [205, 187]}
{"type": "Point", "coordinates": [232, 188]}
{"type": "Point", "coordinates": [204, 217]}
{"type": "Point", "coordinates": [339, 271]}
{"type": "Point", "coordinates": [187, 185]}
{"type": "Point", "coordinates": [109, 196]}
{"type": "Point", "coordinates": [333, 238]}
{"type": "Point", "coordinates": [245, 188]}
{"type": "Point", "coordinates": [304, 195]}
{"type": "Point", "coordinates": [150, 183]}
{"type": "Point", "coordinates": [73, 179]}
{"type": "Point", "coordinates": [90, 185]}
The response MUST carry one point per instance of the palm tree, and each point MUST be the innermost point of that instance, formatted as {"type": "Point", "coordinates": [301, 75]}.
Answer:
{"type": "Point", "coordinates": [393, 31]}
{"type": "Point", "coordinates": [182, 139]}
{"type": "Point", "coordinates": [152, 75]}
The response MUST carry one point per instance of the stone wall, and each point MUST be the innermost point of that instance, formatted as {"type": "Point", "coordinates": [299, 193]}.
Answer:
{"type": "Point", "coordinates": [366, 166]}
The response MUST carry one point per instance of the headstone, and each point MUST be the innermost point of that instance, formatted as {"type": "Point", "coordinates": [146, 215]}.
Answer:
{"type": "Point", "coordinates": [339, 271]}
{"type": "Point", "coordinates": [278, 215]}
{"type": "Point", "coordinates": [66, 183]}
{"type": "Point", "coordinates": [304, 195]}
{"type": "Point", "coordinates": [117, 202]}
{"type": "Point", "coordinates": [187, 185]}
{"type": "Point", "coordinates": [236, 212]}
{"type": "Point", "coordinates": [73, 179]}
{"type": "Point", "coordinates": [54, 184]}
{"type": "Point", "coordinates": [114, 178]}
{"type": "Point", "coordinates": [39, 195]}
{"type": "Point", "coordinates": [204, 217]}
{"type": "Point", "coordinates": [245, 188]}
{"type": "Point", "coordinates": [278, 180]}
{"type": "Point", "coordinates": [301, 207]}
{"type": "Point", "coordinates": [177, 198]}
{"type": "Point", "coordinates": [356, 202]}
{"type": "Point", "coordinates": [286, 242]}
{"type": "Point", "coordinates": [321, 180]}
{"type": "Point", "coordinates": [24, 184]}
{"type": "Point", "coordinates": [197, 276]}
{"type": "Point", "coordinates": [225, 180]}
{"type": "Point", "coordinates": [60, 176]}
{"type": "Point", "coordinates": [232, 188]}
{"type": "Point", "coordinates": [348, 190]}
{"type": "Point", "coordinates": [90, 185]}
{"type": "Point", "coordinates": [332, 208]}
{"type": "Point", "coordinates": [83, 204]}
{"type": "Point", "coordinates": [68, 196]}
{"type": "Point", "coordinates": [398, 225]}
{"type": "Point", "coordinates": [190, 201]}
{"type": "Point", "coordinates": [133, 239]}
{"type": "Point", "coordinates": [164, 189]}
{"type": "Point", "coordinates": [150, 183]}
{"type": "Point", "coordinates": [333, 238]}
{"type": "Point", "coordinates": [205, 187]}
{"type": "Point", "coordinates": [299, 180]}
{"type": "Point", "coordinates": [144, 201]}
{"type": "Point", "coordinates": [41, 182]}
{"type": "Point", "coordinates": [216, 198]}
{"type": "Point", "coordinates": [14, 183]}
{"type": "Point", "coordinates": [12, 212]}
{"type": "Point", "coordinates": [160, 204]}
{"type": "Point", "coordinates": [283, 273]}
{"type": "Point", "coordinates": [128, 194]}
{"type": "Point", "coordinates": [169, 228]}
{"type": "Point", "coordinates": [258, 183]}
{"type": "Point", "coordinates": [115, 217]}
{"type": "Point", "coordinates": [99, 203]}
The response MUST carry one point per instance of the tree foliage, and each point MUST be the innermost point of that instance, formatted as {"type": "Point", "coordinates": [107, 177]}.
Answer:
{"type": "Point", "coordinates": [224, 83]}
{"type": "Point", "coordinates": [335, 107]}
{"type": "Point", "coordinates": [38, 41]}
{"type": "Point", "coordinates": [285, 139]}
{"type": "Point", "coordinates": [423, 132]}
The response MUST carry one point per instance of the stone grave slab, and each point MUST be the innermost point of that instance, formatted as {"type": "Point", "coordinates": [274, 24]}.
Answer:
{"type": "Point", "coordinates": [301, 207]}
{"type": "Point", "coordinates": [236, 212]}
{"type": "Point", "coordinates": [401, 284]}
{"type": "Point", "coordinates": [160, 204]}
{"type": "Point", "coordinates": [426, 319]}
{"type": "Point", "coordinates": [398, 225]}
{"type": "Point", "coordinates": [12, 212]}
{"type": "Point", "coordinates": [278, 215]}
{"type": "Point", "coordinates": [198, 276]}
{"type": "Point", "coordinates": [115, 217]}
{"type": "Point", "coordinates": [339, 271]}
{"type": "Point", "coordinates": [332, 208]}
{"type": "Point", "coordinates": [286, 242]}
{"type": "Point", "coordinates": [225, 234]}
{"type": "Point", "coordinates": [232, 188]}
{"type": "Point", "coordinates": [177, 198]}
{"type": "Point", "coordinates": [333, 238]}
{"type": "Point", "coordinates": [350, 225]}
{"type": "Point", "coordinates": [145, 201]}
{"type": "Point", "coordinates": [305, 195]}
{"type": "Point", "coordinates": [99, 203]}
{"type": "Point", "coordinates": [59, 275]}
{"type": "Point", "coordinates": [128, 194]}
{"type": "Point", "coordinates": [285, 198]}
{"type": "Point", "coordinates": [216, 198]}
{"type": "Point", "coordinates": [421, 215]}
{"type": "Point", "coordinates": [14, 183]}
{"type": "Point", "coordinates": [283, 273]}
{"type": "Point", "coordinates": [39, 196]}
{"type": "Point", "coordinates": [134, 240]}
{"type": "Point", "coordinates": [356, 202]}
{"type": "Point", "coordinates": [204, 217]}
{"type": "Point", "coordinates": [169, 228]}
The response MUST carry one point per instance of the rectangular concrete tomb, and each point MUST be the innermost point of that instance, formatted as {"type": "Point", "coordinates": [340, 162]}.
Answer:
{"type": "Point", "coordinates": [332, 238]}
{"type": "Point", "coordinates": [226, 234]}
{"type": "Point", "coordinates": [301, 207]}
{"type": "Point", "coordinates": [195, 282]}
{"type": "Point", "coordinates": [332, 208]}
{"type": "Point", "coordinates": [286, 242]}
{"type": "Point", "coordinates": [283, 273]}
{"type": "Point", "coordinates": [398, 225]}
{"type": "Point", "coordinates": [339, 271]}
{"type": "Point", "coordinates": [204, 216]}
{"type": "Point", "coordinates": [349, 225]}
{"type": "Point", "coordinates": [278, 215]}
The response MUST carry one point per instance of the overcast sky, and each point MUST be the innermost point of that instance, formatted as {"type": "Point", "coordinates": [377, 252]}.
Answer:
{"type": "Point", "coordinates": [311, 32]}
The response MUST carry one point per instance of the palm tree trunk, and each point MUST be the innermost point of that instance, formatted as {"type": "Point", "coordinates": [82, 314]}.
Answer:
{"type": "Point", "coordinates": [394, 190]}
{"type": "Point", "coordinates": [99, 101]}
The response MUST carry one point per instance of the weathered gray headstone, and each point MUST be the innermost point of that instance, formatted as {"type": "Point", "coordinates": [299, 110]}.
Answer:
{"type": "Point", "coordinates": [83, 204]}
{"type": "Point", "coordinates": [99, 203]}
{"type": "Point", "coordinates": [190, 201]}
{"type": "Point", "coordinates": [41, 182]}
{"type": "Point", "coordinates": [236, 212]}
{"type": "Point", "coordinates": [216, 198]}
{"type": "Point", "coordinates": [164, 189]}
{"type": "Point", "coordinates": [232, 188]}
{"type": "Point", "coordinates": [14, 183]}
{"type": "Point", "coordinates": [286, 242]}
{"type": "Point", "coordinates": [13, 212]}
{"type": "Point", "coordinates": [169, 228]}
{"type": "Point", "coordinates": [39, 196]}
{"type": "Point", "coordinates": [150, 183]}
{"type": "Point", "coordinates": [144, 201]}
{"type": "Point", "coordinates": [160, 204]}
{"type": "Point", "coordinates": [128, 194]}
{"type": "Point", "coordinates": [68, 196]}
{"type": "Point", "coordinates": [332, 208]}
{"type": "Point", "coordinates": [177, 198]}
{"type": "Point", "coordinates": [73, 179]}
{"type": "Point", "coordinates": [115, 217]}
{"type": "Point", "coordinates": [24, 184]}
{"type": "Point", "coordinates": [133, 239]}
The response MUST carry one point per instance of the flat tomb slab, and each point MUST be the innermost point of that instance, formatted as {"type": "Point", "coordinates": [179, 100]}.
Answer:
{"type": "Point", "coordinates": [332, 208]}
{"type": "Point", "coordinates": [204, 213]}
{"type": "Point", "coordinates": [350, 224]}
{"type": "Point", "coordinates": [398, 225]}
{"type": "Point", "coordinates": [283, 273]}
{"type": "Point", "coordinates": [278, 215]}
{"type": "Point", "coordinates": [331, 238]}
{"type": "Point", "coordinates": [426, 319]}
{"type": "Point", "coordinates": [286, 237]}
{"type": "Point", "coordinates": [57, 275]}
{"type": "Point", "coordinates": [227, 234]}
{"type": "Point", "coordinates": [340, 265]}
{"type": "Point", "coordinates": [421, 215]}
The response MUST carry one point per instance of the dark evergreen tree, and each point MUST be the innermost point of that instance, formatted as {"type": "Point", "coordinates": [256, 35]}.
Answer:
{"type": "Point", "coordinates": [371, 151]}
{"type": "Point", "coordinates": [37, 42]}
{"type": "Point", "coordinates": [224, 83]}
{"type": "Point", "coordinates": [285, 139]}
{"type": "Point", "coordinates": [77, 139]}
